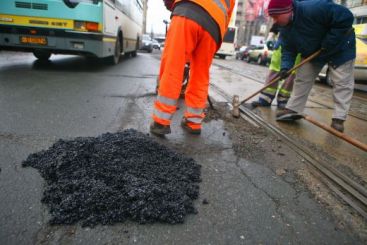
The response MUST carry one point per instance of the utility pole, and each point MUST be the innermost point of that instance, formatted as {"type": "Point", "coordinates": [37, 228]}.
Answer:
{"type": "Point", "coordinates": [166, 23]}
{"type": "Point", "coordinates": [145, 10]}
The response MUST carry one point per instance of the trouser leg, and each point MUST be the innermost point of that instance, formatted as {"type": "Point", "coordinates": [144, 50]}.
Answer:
{"type": "Point", "coordinates": [343, 80]}
{"type": "Point", "coordinates": [303, 83]}
{"type": "Point", "coordinates": [181, 41]}
{"type": "Point", "coordinates": [197, 89]}
{"type": "Point", "coordinates": [285, 91]}
{"type": "Point", "coordinates": [267, 96]}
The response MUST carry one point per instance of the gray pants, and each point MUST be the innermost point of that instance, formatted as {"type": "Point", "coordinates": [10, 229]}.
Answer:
{"type": "Point", "coordinates": [342, 78]}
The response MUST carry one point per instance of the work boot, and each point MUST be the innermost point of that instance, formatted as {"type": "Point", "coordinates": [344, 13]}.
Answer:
{"type": "Point", "coordinates": [337, 124]}
{"type": "Point", "coordinates": [261, 103]}
{"type": "Point", "coordinates": [184, 125]}
{"type": "Point", "coordinates": [159, 129]}
{"type": "Point", "coordinates": [288, 115]}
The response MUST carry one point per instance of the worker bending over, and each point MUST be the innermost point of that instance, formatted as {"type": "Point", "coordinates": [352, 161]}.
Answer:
{"type": "Point", "coordinates": [196, 32]}
{"type": "Point", "coordinates": [308, 26]}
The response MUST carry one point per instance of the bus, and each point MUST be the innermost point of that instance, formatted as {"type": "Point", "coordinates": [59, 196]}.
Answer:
{"type": "Point", "coordinates": [229, 42]}
{"type": "Point", "coordinates": [96, 28]}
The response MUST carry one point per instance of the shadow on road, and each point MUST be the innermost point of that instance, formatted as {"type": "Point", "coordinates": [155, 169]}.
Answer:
{"type": "Point", "coordinates": [75, 64]}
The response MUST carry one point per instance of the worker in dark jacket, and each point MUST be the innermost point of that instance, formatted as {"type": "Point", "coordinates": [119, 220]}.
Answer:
{"type": "Point", "coordinates": [195, 34]}
{"type": "Point", "coordinates": [307, 27]}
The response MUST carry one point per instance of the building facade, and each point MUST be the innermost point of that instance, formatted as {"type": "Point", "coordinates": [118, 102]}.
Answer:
{"type": "Point", "coordinates": [251, 18]}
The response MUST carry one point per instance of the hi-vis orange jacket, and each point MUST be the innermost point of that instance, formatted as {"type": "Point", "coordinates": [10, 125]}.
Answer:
{"type": "Point", "coordinates": [219, 10]}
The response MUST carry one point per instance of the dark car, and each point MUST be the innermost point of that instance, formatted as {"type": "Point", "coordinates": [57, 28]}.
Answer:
{"type": "Point", "coordinates": [242, 53]}
{"type": "Point", "coordinates": [147, 43]}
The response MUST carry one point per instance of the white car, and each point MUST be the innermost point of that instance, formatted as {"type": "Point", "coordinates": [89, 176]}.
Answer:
{"type": "Point", "coordinates": [360, 66]}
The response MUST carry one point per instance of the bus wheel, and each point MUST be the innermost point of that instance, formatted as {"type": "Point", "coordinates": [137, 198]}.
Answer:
{"type": "Point", "coordinates": [115, 58]}
{"type": "Point", "coordinates": [42, 55]}
{"type": "Point", "coordinates": [134, 53]}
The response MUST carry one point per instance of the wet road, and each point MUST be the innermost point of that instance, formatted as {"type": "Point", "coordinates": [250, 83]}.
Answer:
{"type": "Point", "coordinates": [244, 79]}
{"type": "Point", "coordinates": [69, 97]}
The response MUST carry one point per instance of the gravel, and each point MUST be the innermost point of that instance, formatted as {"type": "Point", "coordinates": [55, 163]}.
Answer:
{"type": "Point", "coordinates": [116, 177]}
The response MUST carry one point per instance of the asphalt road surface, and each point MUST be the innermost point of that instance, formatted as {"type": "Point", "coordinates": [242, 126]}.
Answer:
{"type": "Point", "coordinates": [249, 201]}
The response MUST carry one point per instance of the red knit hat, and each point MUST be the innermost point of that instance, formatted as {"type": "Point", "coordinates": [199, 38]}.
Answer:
{"type": "Point", "coordinates": [280, 7]}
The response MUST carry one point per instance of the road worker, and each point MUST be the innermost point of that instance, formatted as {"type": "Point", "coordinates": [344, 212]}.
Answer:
{"type": "Point", "coordinates": [308, 26]}
{"type": "Point", "coordinates": [282, 89]}
{"type": "Point", "coordinates": [195, 34]}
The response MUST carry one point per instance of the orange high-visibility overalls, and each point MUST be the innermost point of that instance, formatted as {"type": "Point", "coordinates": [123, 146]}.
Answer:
{"type": "Point", "coordinates": [187, 41]}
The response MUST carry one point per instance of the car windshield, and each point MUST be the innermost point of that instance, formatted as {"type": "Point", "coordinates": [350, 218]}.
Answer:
{"type": "Point", "coordinates": [146, 38]}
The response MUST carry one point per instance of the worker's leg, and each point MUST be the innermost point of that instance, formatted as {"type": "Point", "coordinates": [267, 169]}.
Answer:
{"type": "Point", "coordinates": [197, 89]}
{"type": "Point", "coordinates": [285, 91]}
{"type": "Point", "coordinates": [267, 96]}
{"type": "Point", "coordinates": [343, 80]}
{"type": "Point", "coordinates": [286, 88]}
{"type": "Point", "coordinates": [180, 42]}
{"type": "Point", "coordinates": [303, 82]}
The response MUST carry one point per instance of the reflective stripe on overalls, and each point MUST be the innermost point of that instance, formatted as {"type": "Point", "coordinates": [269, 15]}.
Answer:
{"type": "Point", "coordinates": [164, 108]}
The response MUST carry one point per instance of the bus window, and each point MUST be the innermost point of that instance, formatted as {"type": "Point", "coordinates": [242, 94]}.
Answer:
{"type": "Point", "coordinates": [229, 36]}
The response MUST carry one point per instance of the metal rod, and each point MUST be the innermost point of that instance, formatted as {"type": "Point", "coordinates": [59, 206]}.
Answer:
{"type": "Point", "coordinates": [343, 136]}
{"type": "Point", "coordinates": [277, 78]}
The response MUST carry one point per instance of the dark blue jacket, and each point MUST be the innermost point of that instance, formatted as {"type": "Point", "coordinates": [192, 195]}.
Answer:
{"type": "Point", "coordinates": [319, 24]}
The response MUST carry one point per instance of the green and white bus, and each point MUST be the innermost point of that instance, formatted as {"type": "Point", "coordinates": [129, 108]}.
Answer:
{"type": "Point", "coordinates": [99, 28]}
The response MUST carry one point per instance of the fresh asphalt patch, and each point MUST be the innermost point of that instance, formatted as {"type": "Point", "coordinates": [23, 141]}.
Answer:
{"type": "Point", "coordinates": [116, 177]}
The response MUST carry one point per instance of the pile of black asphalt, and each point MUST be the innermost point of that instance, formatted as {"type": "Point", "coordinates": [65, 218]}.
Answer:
{"type": "Point", "coordinates": [116, 177]}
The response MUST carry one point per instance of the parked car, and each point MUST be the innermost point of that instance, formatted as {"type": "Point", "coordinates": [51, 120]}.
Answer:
{"type": "Point", "coordinates": [242, 53]}
{"type": "Point", "coordinates": [360, 66]}
{"type": "Point", "coordinates": [147, 43]}
{"type": "Point", "coordinates": [261, 54]}
{"type": "Point", "coordinates": [156, 44]}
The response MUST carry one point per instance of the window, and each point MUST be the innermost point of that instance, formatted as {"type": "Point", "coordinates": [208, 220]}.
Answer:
{"type": "Point", "coordinates": [124, 6]}
{"type": "Point", "coordinates": [229, 36]}
{"type": "Point", "coordinates": [361, 20]}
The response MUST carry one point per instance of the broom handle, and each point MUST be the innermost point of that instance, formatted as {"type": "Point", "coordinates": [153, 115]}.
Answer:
{"type": "Point", "coordinates": [277, 78]}
{"type": "Point", "coordinates": [343, 136]}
